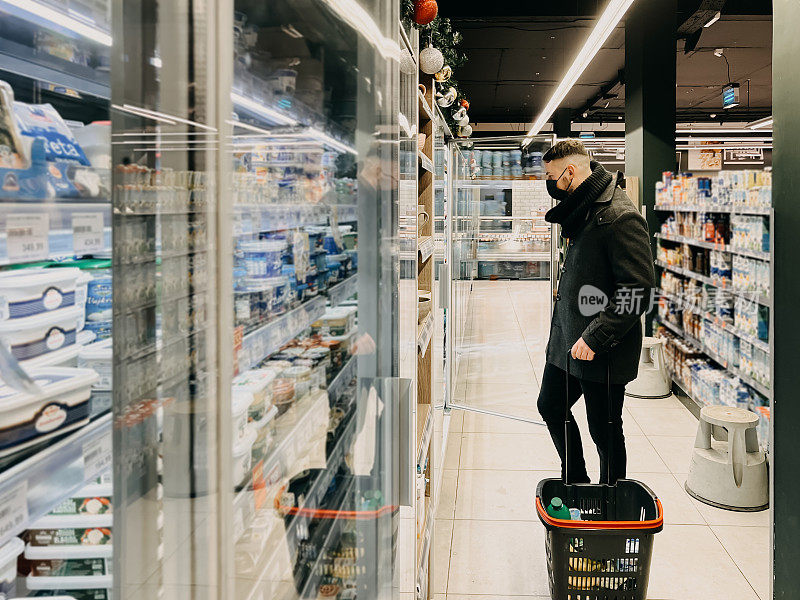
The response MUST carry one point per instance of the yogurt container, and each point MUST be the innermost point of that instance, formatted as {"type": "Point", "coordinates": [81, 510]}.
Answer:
{"type": "Point", "coordinates": [93, 499]}
{"type": "Point", "coordinates": [31, 337]}
{"type": "Point", "coordinates": [241, 400]}
{"type": "Point", "coordinates": [95, 587]}
{"type": "Point", "coordinates": [67, 561]}
{"type": "Point", "coordinates": [258, 383]}
{"type": "Point", "coordinates": [97, 356]}
{"type": "Point", "coordinates": [263, 258]}
{"type": "Point", "coordinates": [98, 304]}
{"type": "Point", "coordinates": [242, 458]}
{"type": "Point", "coordinates": [62, 404]}
{"type": "Point", "coordinates": [301, 376]}
{"type": "Point", "coordinates": [30, 292]}
{"type": "Point", "coordinates": [8, 566]}
{"type": "Point", "coordinates": [71, 530]}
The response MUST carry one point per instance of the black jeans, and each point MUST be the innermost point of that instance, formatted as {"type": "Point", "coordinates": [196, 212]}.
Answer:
{"type": "Point", "coordinates": [552, 406]}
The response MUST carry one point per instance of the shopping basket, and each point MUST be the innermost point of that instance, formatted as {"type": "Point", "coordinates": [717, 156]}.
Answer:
{"type": "Point", "coordinates": [607, 554]}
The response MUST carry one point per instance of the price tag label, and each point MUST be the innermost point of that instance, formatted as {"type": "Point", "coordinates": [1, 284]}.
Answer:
{"type": "Point", "coordinates": [97, 457]}
{"type": "Point", "coordinates": [13, 510]}
{"type": "Point", "coordinates": [87, 232]}
{"type": "Point", "coordinates": [26, 237]}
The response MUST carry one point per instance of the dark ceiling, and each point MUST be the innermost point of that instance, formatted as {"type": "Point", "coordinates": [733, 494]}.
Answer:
{"type": "Point", "coordinates": [516, 59]}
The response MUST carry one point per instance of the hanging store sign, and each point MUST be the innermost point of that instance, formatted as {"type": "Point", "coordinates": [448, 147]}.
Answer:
{"type": "Point", "coordinates": [744, 156]}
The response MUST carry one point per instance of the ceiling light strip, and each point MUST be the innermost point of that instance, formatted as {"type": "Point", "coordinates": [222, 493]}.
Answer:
{"type": "Point", "coordinates": [610, 18]}
{"type": "Point", "coordinates": [57, 20]}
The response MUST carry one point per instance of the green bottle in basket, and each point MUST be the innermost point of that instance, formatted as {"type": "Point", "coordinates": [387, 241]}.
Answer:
{"type": "Point", "coordinates": [557, 510]}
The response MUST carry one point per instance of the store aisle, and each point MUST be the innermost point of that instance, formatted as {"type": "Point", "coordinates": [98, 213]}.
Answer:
{"type": "Point", "coordinates": [489, 542]}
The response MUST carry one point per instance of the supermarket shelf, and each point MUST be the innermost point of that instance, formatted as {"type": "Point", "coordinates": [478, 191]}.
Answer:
{"type": "Point", "coordinates": [756, 385]}
{"type": "Point", "coordinates": [425, 248]}
{"type": "Point", "coordinates": [758, 343]}
{"type": "Point", "coordinates": [736, 210]}
{"type": "Point", "coordinates": [514, 256]}
{"type": "Point", "coordinates": [23, 60]}
{"type": "Point", "coordinates": [33, 487]}
{"type": "Point", "coordinates": [424, 435]}
{"type": "Point", "coordinates": [685, 389]}
{"type": "Point", "coordinates": [492, 183]}
{"type": "Point", "coordinates": [425, 162]}
{"type": "Point", "coordinates": [751, 296]}
{"type": "Point", "coordinates": [424, 107]}
{"type": "Point", "coordinates": [761, 255]}
{"type": "Point", "coordinates": [58, 217]}
{"type": "Point", "coordinates": [253, 218]}
{"type": "Point", "coordinates": [266, 340]}
{"type": "Point", "coordinates": [342, 291]}
{"type": "Point", "coordinates": [424, 334]}
{"type": "Point", "coordinates": [422, 573]}
{"type": "Point", "coordinates": [343, 379]}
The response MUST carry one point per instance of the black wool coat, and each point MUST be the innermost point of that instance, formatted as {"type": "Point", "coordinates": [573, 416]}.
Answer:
{"type": "Point", "coordinates": [612, 255]}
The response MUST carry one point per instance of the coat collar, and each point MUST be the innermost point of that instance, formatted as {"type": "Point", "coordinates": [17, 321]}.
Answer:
{"type": "Point", "coordinates": [608, 194]}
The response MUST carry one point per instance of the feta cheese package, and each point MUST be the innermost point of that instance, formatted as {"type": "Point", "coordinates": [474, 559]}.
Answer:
{"type": "Point", "coordinates": [42, 120]}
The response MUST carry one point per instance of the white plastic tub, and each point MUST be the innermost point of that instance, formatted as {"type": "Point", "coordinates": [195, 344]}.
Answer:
{"type": "Point", "coordinates": [93, 499]}
{"type": "Point", "coordinates": [69, 583]}
{"type": "Point", "coordinates": [31, 337]}
{"type": "Point", "coordinates": [240, 404]}
{"type": "Point", "coordinates": [64, 357]}
{"type": "Point", "coordinates": [259, 383]}
{"type": "Point", "coordinates": [71, 530]}
{"type": "Point", "coordinates": [97, 356]}
{"type": "Point", "coordinates": [242, 458]}
{"type": "Point", "coordinates": [68, 561]}
{"type": "Point", "coordinates": [8, 566]}
{"type": "Point", "coordinates": [62, 404]}
{"type": "Point", "coordinates": [29, 292]}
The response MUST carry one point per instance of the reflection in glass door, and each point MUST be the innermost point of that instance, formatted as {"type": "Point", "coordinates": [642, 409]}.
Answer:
{"type": "Point", "coordinates": [501, 255]}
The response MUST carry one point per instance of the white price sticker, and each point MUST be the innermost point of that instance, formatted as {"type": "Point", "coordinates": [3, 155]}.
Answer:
{"type": "Point", "coordinates": [13, 510]}
{"type": "Point", "coordinates": [97, 457]}
{"type": "Point", "coordinates": [26, 237]}
{"type": "Point", "coordinates": [87, 232]}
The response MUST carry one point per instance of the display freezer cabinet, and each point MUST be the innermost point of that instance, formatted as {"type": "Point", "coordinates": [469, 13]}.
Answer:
{"type": "Point", "coordinates": [256, 167]}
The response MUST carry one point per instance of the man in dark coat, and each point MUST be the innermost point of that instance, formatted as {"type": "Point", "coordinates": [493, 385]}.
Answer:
{"type": "Point", "coordinates": [605, 285]}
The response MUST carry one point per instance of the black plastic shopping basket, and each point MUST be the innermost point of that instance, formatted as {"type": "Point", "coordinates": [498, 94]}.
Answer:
{"type": "Point", "coordinates": [606, 555]}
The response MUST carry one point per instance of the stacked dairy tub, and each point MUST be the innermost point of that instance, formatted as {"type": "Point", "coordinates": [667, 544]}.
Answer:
{"type": "Point", "coordinates": [68, 552]}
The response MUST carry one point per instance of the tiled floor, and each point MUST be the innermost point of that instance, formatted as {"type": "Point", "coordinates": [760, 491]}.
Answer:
{"type": "Point", "coordinates": [489, 542]}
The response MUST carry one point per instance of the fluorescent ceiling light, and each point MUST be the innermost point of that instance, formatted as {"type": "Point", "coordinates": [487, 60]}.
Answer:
{"type": "Point", "coordinates": [610, 18]}
{"type": "Point", "coordinates": [150, 113]}
{"type": "Point", "coordinates": [59, 20]}
{"type": "Point", "coordinates": [760, 123]}
{"type": "Point", "coordinates": [134, 111]}
{"type": "Point", "coordinates": [713, 19]}
{"type": "Point", "coordinates": [267, 112]}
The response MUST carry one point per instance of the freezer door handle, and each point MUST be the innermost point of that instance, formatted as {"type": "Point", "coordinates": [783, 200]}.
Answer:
{"type": "Point", "coordinates": [444, 285]}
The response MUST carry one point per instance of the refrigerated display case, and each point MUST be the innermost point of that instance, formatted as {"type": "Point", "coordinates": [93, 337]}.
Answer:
{"type": "Point", "coordinates": [55, 286]}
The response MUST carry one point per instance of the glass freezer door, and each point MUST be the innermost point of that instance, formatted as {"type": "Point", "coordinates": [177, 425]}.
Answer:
{"type": "Point", "coordinates": [500, 269]}
{"type": "Point", "coordinates": [314, 395]}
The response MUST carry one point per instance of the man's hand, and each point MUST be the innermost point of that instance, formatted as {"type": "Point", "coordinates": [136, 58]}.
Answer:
{"type": "Point", "coordinates": [581, 350]}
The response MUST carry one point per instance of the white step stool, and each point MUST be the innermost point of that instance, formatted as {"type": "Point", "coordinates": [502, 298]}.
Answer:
{"type": "Point", "coordinates": [728, 469]}
{"type": "Point", "coordinates": [652, 380]}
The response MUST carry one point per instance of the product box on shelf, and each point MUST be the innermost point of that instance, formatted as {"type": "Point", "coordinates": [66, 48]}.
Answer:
{"type": "Point", "coordinates": [34, 291]}
{"type": "Point", "coordinates": [92, 499]}
{"type": "Point", "coordinates": [70, 530]}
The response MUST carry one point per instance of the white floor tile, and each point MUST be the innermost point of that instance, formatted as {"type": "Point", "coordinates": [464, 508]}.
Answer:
{"type": "Point", "coordinates": [452, 451]}
{"type": "Point", "coordinates": [442, 548]}
{"type": "Point", "coordinates": [498, 557]}
{"type": "Point", "coordinates": [676, 452]}
{"type": "Point", "coordinates": [750, 549]}
{"type": "Point", "coordinates": [447, 499]}
{"type": "Point", "coordinates": [678, 506]}
{"type": "Point", "coordinates": [665, 421]}
{"type": "Point", "coordinates": [481, 423]}
{"type": "Point", "coordinates": [499, 495]}
{"type": "Point", "coordinates": [689, 563]}
{"type": "Point", "coordinates": [509, 451]}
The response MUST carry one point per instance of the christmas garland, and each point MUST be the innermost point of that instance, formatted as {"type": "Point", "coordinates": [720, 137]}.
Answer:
{"type": "Point", "coordinates": [440, 34]}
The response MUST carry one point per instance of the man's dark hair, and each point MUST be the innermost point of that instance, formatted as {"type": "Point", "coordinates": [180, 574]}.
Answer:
{"type": "Point", "coordinates": [565, 148]}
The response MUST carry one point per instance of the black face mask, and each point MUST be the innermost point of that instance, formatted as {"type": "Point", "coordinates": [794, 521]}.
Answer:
{"type": "Point", "coordinates": [556, 192]}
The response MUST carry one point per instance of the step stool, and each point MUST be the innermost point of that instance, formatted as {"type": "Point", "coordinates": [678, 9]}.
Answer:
{"type": "Point", "coordinates": [652, 380]}
{"type": "Point", "coordinates": [728, 469]}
